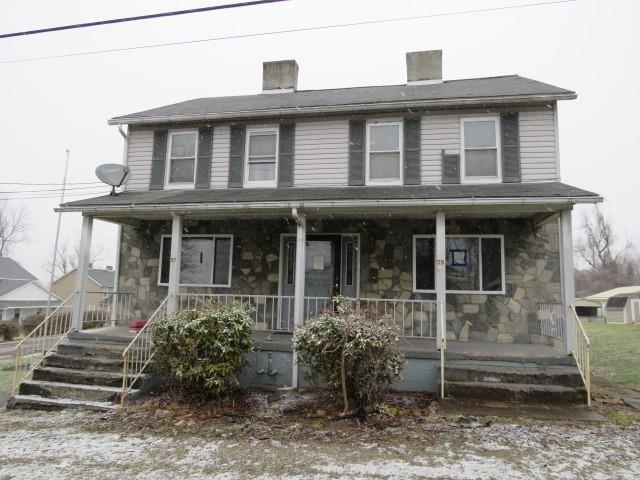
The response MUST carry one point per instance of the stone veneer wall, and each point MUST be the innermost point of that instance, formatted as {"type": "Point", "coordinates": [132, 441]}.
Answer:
{"type": "Point", "coordinates": [386, 248]}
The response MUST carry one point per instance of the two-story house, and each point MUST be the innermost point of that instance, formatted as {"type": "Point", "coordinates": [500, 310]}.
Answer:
{"type": "Point", "coordinates": [436, 203]}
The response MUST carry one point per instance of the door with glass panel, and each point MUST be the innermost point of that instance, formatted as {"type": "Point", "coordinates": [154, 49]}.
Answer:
{"type": "Point", "coordinates": [330, 269]}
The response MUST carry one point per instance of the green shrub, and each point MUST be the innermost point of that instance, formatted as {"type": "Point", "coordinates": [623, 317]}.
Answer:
{"type": "Point", "coordinates": [202, 352]}
{"type": "Point", "coordinates": [31, 322]}
{"type": "Point", "coordinates": [355, 356]}
{"type": "Point", "coordinates": [8, 330]}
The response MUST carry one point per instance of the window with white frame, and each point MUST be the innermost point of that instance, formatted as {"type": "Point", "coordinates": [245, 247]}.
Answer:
{"type": "Point", "coordinates": [384, 153]}
{"type": "Point", "coordinates": [261, 167]}
{"type": "Point", "coordinates": [205, 260]}
{"type": "Point", "coordinates": [474, 264]}
{"type": "Point", "coordinates": [181, 159]}
{"type": "Point", "coordinates": [480, 150]}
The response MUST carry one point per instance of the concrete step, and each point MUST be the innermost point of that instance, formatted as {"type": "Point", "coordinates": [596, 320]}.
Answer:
{"type": "Point", "coordinates": [90, 349]}
{"type": "Point", "coordinates": [79, 377]}
{"type": "Point", "coordinates": [35, 402]}
{"type": "Point", "coordinates": [72, 391]}
{"type": "Point", "coordinates": [89, 363]}
{"type": "Point", "coordinates": [523, 360]}
{"type": "Point", "coordinates": [98, 336]}
{"type": "Point", "coordinates": [515, 392]}
{"type": "Point", "coordinates": [566, 376]}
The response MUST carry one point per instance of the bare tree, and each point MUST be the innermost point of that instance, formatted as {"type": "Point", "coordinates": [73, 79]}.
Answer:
{"type": "Point", "coordinates": [13, 225]}
{"type": "Point", "coordinates": [67, 257]}
{"type": "Point", "coordinates": [608, 266]}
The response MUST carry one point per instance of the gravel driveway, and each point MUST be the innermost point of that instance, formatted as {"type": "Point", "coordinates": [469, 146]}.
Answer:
{"type": "Point", "coordinates": [70, 445]}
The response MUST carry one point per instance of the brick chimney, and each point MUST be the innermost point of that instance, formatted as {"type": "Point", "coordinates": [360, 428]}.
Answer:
{"type": "Point", "coordinates": [280, 76]}
{"type": "Point", "coordinates": [424, 67]}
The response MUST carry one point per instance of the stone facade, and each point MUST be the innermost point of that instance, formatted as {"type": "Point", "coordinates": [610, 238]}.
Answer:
{"type": "Point", "coordinates": [532, 267]}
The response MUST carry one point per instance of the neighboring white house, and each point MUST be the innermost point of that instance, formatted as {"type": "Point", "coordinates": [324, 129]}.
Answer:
{"type": "Point", "coordinates": [618, 305]}
{"type": "Point", "coordinates": [21, 294]}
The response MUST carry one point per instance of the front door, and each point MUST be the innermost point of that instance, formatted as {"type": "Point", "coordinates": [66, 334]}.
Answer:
{"type": "Point", "coordinates": [330, 269]}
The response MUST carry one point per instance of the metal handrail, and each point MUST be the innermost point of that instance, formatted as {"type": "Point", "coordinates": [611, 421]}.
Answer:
{"type": "Point", "coordinates": [54, 328]}
{"type": "Point", "coordinates": [139, 353]}
{"type": "Point", "coordinates": [581, 352]}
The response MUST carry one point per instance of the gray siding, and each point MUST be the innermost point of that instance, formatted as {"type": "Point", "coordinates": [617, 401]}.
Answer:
{"type": "Point", "coordinates": [139, 158]}
{"type": "Point", "coordinates": [322, 150]}
{"type": "Point", "coordinates": [220, 156]}
{"type": "Point", "coordinates": [538, 146]}
{"type": "Point", "coordinates": [439, 132]}
{"type": "Point", "coordinates": [321, 153]}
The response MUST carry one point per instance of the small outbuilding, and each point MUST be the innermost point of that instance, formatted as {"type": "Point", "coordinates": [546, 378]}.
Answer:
{"type": "Point", "coordinates": [623, 308]}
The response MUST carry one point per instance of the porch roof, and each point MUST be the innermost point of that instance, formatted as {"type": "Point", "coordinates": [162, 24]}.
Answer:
{"type": "Point", "coordinates": [548, 196]}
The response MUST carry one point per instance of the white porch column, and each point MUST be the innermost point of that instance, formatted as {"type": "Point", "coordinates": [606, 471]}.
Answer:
{"type": "Point", "coordinates": [81, 273]}
{"type": "Point", "coordinates": [566, 275]}
{"type": "Point", "coordinates": [298, 302]}
{"type": "Point", "coordinates": [441, 296]}
{"type": "Point", "coordinates": [174, 264]}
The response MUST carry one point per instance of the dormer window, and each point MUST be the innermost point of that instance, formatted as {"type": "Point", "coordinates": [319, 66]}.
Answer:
{"type": "Point", "coordinates": [182, 154]}
{"type": "Point", "coordinates": [384, 153]}
{"type": "Point", "coordinates": [261, 157]}
{"type": "Point", "coordinates": [480, 152]}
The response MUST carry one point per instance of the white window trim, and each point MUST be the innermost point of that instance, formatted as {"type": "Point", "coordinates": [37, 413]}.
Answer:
{"type": "Point", "coordinates": [394, 181]}
{"type": "Point", "coordinates": [463, 149]}
{"type": "Point", "coordinates": [261, 131]}
{"type": "Point", "coordinates": [464, 292]}
{"type": "Point", "coordinates": [167, 170]}
{"type": "Point", "coordinates": [200, 235]}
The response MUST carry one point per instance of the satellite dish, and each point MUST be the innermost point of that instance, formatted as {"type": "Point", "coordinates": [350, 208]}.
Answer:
{"type": "Point", "coordinates": [113, 174]}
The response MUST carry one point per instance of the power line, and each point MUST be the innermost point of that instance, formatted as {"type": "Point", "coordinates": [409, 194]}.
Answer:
{"type": "Point", "coordinates": [291, 30]}
{"type": "Point", "coordinates": [138, 18]}
{"type": "Point", "coordinates": [49, 184]}
{"type": "Point", "coordinates": [48, 190]}
{"type": "Point", "coordinates": [45, 197]}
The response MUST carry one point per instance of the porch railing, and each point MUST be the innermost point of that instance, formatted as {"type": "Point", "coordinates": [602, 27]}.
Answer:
{"type": "Point", "coordinates": [113, 308]}
{"type": "Point", "coordinates": [581, 352]}
{"type": "Point", "coordinates": [551, 317]}
{"type": "Point", "coordinates": [32, 349]}
{"type": "Point", "coordinates": [139, 353]}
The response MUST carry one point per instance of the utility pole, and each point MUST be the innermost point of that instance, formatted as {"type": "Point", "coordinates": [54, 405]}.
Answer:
{"type": "Point", "coordinates": [55, 244]}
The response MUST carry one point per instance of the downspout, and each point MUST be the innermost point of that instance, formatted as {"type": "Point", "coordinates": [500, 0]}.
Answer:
{"type": "Point", "coordinates": [115, 303]}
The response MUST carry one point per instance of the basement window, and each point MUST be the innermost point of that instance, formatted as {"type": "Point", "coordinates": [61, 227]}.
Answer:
{"type": "Point", "coordinates": [474, 264]}
{"type": "Point", "coordinates": [205, 260]}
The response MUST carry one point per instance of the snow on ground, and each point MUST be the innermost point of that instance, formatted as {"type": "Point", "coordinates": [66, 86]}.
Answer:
{"type": "Point", "coordinates": [73, 445]}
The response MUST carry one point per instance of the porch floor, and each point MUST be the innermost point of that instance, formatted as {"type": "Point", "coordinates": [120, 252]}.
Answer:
{"type": "Point", "coordinates": [412, 347]}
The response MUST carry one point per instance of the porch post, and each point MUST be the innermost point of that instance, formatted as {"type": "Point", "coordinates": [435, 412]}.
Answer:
{"type": "Point", "coordinates": [441, 296]}
{"type": "Point", "coordinates": [298, 302]}
{"type": "Point", "coordinates": [81, 273]}
{"type": "Point", "coordinates": [174, 264]}
{"type": "Point", "coordinates": [566, 275]}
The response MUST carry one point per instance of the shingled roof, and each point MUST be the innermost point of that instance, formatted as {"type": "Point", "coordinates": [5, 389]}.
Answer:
{"type": "Point", "coordinates": [511, 89]}
{"type": "Point", "coordinates": [549, 190]}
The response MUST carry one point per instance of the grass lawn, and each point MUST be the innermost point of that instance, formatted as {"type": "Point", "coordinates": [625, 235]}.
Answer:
{"type": "Point", "coordinates": [615, 351]}
{"type": "Point", "coordinates": [6, 374]}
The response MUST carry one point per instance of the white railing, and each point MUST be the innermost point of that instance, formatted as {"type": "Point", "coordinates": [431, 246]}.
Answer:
{"type": "Point", "coordinates": [30, 352]}
{"type": "Point", "coordinates": [443, 343]}
{"type": "Point", "coordinates": [113, 308]}
{"type": "Point", "coordinates": [139, 353]}
{"type": "Point", "coordinates": [551, 317]}
{"type": "Point", "coordinates": [413, 318]}
{"type": "Point", "coordinates": [581, 352]}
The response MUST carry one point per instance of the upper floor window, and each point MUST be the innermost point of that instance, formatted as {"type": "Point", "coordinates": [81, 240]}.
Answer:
{"type": "Point", "coordinates": [182, 154]}
{"type": "Point", "coordinates": [480, 157]}
{"type": "Point", "coordinates": [384, 153]}
{"type": "Point", "coordinates": [262, 157]}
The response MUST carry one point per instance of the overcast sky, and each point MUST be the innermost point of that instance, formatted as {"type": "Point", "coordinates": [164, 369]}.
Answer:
{"type": "Point", "coordinates": [48, 106]}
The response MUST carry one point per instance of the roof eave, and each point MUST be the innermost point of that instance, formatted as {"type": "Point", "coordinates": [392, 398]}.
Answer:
{"type": "Point", "coordinates": [181, 207]}
{"type": "Point", "coordinates": [347, 108]}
